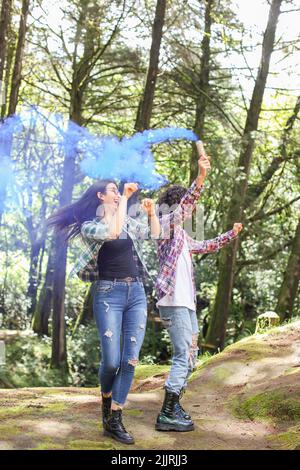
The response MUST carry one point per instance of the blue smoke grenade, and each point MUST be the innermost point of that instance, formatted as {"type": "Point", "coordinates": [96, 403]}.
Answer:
{"type": "Point", "coordinates": [126, 159]}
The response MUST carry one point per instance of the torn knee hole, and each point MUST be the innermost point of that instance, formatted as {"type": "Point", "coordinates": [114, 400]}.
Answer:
{"type": "Point", "coordinates": [133, 362]}
{"type": "Point", "coordinates": [108, 334]}
{"type": "Point", "coordinates": [195, 341]}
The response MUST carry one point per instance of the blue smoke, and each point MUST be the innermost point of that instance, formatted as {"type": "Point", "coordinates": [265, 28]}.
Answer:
{"type": "Point", "coordinates": [31, 134]}
{"type": "Point", "coordinates": [8, 128]}
{"type": "Point", "coordinates": [130, 158]}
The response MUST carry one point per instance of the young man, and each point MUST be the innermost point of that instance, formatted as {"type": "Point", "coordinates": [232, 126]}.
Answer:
{"type": "Point", "coordinates": [176, 293]}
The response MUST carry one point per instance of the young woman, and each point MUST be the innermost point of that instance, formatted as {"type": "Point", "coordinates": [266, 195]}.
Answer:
{"type": "Point", "coordinates": [113, 259]}
{"type": "Point", "coordinates": [176, 294]}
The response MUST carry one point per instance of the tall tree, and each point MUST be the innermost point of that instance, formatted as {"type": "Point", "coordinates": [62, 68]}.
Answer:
{"type": "Point", "coordinates": [6, 147]}
{"type": "Point", "coordinates": [5, 17]}
{"type": "Point", "coordinates": [146, 104]}
{"type": "Point", "coordinates": [203, 85]}
{"type": "Point", "coordinates": [17, 71]}
{"type": "Point", "coordinates": [255, 190]}
{"type": "Point", "coordinates": [291, 278]}
{"type": "Point", "coordinates": [87, 39]}
{"type": "Point", "coordinates": [217, 327]}
{"type": "Point", "coordinates": [42, 313]}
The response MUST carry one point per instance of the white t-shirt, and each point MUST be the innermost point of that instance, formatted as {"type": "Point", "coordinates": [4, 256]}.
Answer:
{"type": "Point", "coordinates": [183, 295]}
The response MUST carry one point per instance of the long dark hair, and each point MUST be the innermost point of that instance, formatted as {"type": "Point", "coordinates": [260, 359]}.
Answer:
{"type": "Point", "coordinates": [68, 219]}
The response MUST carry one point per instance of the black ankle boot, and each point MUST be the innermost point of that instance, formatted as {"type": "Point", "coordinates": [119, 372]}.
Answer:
{"type": "Point", "coordinates": [170, 417]}
{"type": "Point", "coordinates": [115, 428]}
{"type": "Point", "coordinates": [106, 409]}
{"type": "Point", "coordinates": [179, 408]}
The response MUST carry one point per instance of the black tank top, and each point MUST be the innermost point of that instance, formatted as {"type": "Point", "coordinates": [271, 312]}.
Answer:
{"type": "Point", "coordinates": [116, 260]}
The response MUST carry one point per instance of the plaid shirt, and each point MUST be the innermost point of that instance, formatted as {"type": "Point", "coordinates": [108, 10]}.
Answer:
{"type": "Point", "coordinates": [169, 249]}
{"type": "Point", "coordinates": [94, 233]}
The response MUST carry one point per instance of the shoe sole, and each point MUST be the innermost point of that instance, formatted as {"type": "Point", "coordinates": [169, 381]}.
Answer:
{"type": "Point", "coordinates": [169, 427]}
{"type": "Point", "coordinates": [108, 434]}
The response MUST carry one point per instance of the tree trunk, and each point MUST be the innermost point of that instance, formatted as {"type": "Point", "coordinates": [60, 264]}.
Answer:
{"type": "Point", "coordinates": [203, 87]}
{"type": "Point", "coordinates": [86, 314]}
{"type": "Point", "coordinates": [16, 78]}
{"type": "Point", "coordinates": [217, 328]}
{"type": "Point", "coordinates": [40, 323]}
{"type": "Point", "coordinates": [257, 189]}
{"type": "Point", "coordinates": [59, 348]}
{"type": "Point", "coordinates": [81, 71]}
{"type": "Point", "coordinates": [33, 276]}
{"type": "Point", "coordinates": [289, 286]}
{"type": "Point", "coordinates": [146, 103]}
{"type": "Point", "coordinates": [5, 18]}
{"type": "Point", "coordinates": [15, 85]}
{"type": "Point", "coordinates": [12, 39]}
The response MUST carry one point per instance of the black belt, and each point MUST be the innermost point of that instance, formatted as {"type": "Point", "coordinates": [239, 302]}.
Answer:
{"type": "Point", "coordinates": [124, 279]}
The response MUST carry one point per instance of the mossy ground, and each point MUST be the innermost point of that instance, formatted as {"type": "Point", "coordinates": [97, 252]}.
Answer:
{"type": "Point", "coordinates": [144, 371]}
{"type": "Point", "coordinates": [275, 405]}
{"type": "Point", "coordinates": [289, 440]}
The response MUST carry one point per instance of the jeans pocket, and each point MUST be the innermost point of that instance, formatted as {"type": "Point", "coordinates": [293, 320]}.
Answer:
{"type": "Point", "coordinates": [104, 287]}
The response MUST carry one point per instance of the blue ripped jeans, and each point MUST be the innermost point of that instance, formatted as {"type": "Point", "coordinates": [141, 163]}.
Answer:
{"type": "Point", "coordinates": [120, 311]}
{"type": "Point", "coordinates": [182, 325]}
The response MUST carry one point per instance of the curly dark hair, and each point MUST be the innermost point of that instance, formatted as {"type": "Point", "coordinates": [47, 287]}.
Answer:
{"type": "Point", "coordinates": [172, 195]}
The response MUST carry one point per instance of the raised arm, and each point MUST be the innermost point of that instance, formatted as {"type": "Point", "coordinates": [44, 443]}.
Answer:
{"type": "Point", "coordinates": [103, 230]}
{"type": "Point", "coordinates": [214, 244]}
{"type": "Point", "coordinates": [187, 204]}
{"type": "Point", "coordinates": [148, 206]}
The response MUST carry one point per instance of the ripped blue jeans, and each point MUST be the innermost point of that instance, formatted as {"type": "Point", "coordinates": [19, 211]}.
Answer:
{"type": "Point", "coordinates": [120, 311]}
{"type": "Point", "coordinates": [182, 326]}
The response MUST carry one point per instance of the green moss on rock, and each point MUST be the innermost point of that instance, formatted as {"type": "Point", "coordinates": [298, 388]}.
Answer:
{"type": "Point", "coordinates": [144, 371]}
{"type": "Point", "coordinates": [253, 348]}
{"type": "Point", "coordinates": [269, 405]}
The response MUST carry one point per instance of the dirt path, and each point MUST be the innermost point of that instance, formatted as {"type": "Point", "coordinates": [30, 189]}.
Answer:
{"type": "Point", "coordinates": [69, 418]}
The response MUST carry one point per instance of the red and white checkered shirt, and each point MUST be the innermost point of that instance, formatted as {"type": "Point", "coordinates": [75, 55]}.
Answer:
{"type": "Point", "coordinates": [169, 248]}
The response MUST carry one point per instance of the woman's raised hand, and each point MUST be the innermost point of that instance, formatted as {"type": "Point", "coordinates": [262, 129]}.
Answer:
{"type": "Point", "coordinates": [129, 189]}
{"type": "Point", "coordinates": [148, 205]}
{"type": "Point", "coordinates": [237, 227]}
{"type": "Point", "coordinates": [204, 160]}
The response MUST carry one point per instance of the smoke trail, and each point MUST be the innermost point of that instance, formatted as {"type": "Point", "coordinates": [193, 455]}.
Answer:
{"type": "Point", "coordinates": [131, 158]}
{"type": "Point", "coordinates": [9, 127]}
{"type": "Point", "coordinates": [27, 138]}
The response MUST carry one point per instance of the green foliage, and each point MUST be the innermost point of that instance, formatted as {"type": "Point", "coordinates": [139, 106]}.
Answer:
{"type": "Point", "coordinates": [28, 358]}
{"type": "Point", "coordinates": [13, 282]}
{"type": "Point", "coordinates": [27, 363]}
{"type": "Point", "coordinates": [84, 356]}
